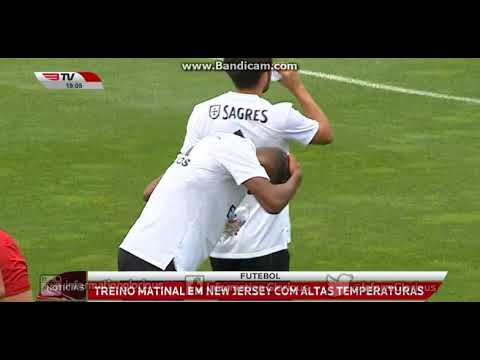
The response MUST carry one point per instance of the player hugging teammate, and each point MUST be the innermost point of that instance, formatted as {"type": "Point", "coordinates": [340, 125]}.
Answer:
{"type": "Point", "coordinates": [255, 238]}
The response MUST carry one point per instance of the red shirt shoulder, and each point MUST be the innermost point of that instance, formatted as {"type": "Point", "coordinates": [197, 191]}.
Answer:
{"type": "Point", "coordinates": [13, 267]}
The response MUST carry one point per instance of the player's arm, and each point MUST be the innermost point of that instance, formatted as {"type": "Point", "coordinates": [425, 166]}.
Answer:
{"type": "Point", "coordinates": [23, 297]}
{"type": "Point", "coordinates": [291, 80]}
{"type": "Point", "coordinates": [150, 188]}
{"type": "Point", "coordinates": [2, 286]}
{"type": "Point", "coordinates": [273, 198]}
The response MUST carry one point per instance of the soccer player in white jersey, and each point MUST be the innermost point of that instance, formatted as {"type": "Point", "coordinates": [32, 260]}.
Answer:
{"type": "Point", "coordinates": [186, 213]}
{"type": "Point", "coordinates": [257, 240]}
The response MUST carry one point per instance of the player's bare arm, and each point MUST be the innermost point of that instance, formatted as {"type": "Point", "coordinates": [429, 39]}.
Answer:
{"type": "Point", "coordinates": [291, 80]}
{"type": "Point", "coordinates": [274, 198]}
{"type": "Point", "coordinates": [150, 188]}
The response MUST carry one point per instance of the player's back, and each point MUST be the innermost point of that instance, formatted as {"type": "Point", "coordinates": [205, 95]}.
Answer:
{"type": "Point", "coordinates": [256, 119]}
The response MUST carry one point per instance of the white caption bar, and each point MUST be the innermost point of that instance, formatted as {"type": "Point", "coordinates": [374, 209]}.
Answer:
{"type": "Point", "coordinates": [306, 276]}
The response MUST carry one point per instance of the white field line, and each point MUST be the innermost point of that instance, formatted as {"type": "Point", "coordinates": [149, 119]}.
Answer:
{"type": "Point", "coordinates": [384, 87]}
{"type": "Point", "coordinates": [397, 89]}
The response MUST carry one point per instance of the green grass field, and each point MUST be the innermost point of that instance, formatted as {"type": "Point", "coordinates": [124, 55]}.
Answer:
{"type": "Point", "coordinates": [398, 190]}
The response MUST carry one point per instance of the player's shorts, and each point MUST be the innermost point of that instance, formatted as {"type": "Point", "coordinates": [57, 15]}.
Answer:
{"type": "Point", "coordinates": [129, 262]}
{"type": "Point", "coordinates": [278, 261]}
{"type": "Point", "coordinates": [13, 267]}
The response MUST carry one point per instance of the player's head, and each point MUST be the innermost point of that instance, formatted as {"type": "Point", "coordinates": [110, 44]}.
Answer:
{"type": "Point", "coordinates": [275, 162]}
{"type": "Point", "coordinates": [245, 79]}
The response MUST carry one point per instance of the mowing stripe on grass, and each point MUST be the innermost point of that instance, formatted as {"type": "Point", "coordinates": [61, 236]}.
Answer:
{"type": "Point", "coordinates": [384, 87]}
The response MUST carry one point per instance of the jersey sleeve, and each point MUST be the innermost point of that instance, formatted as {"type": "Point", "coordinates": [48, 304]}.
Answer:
{"type": "Point", "coordinates": [13, 267]}
{"type": "Point", "coordinates": [194, 131]}
{"type": "Point", "coordinates": [295, 126]}
{"type": "Point", "coordinates": [239, 158]}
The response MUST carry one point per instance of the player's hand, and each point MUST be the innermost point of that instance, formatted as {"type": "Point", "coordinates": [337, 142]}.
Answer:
{"type": "Point", "coordinates": [291, 80]}
{"type": "Point", "coordinates": [294, 166]}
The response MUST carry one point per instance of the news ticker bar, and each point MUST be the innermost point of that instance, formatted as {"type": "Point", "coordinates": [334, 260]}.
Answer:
{"type": "Point", "coordinates": [271, 276]}
{"type": "Point", "coordinates": [261, 291]}
{"type": "Point", "coordinates": [242, 286]}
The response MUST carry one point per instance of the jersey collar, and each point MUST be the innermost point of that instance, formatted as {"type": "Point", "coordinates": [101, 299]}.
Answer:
{"type": "Point", "coordinates": [251, 96]}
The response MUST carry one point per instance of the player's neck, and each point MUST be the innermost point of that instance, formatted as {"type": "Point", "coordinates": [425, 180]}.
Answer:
{"type": "Point", "coordinates": [257, 92]}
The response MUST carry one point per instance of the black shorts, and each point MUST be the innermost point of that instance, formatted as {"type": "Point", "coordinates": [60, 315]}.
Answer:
{"type": "Point", "coordinates": [129, 262]}
{"type": "Point", "coordinates": [279, 261]}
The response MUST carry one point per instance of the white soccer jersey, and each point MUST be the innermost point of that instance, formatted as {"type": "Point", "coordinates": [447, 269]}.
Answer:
{"type": "Point", "coordinates": [186, 213]}
{"type": "Point", "coordinates": [266, 125]}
